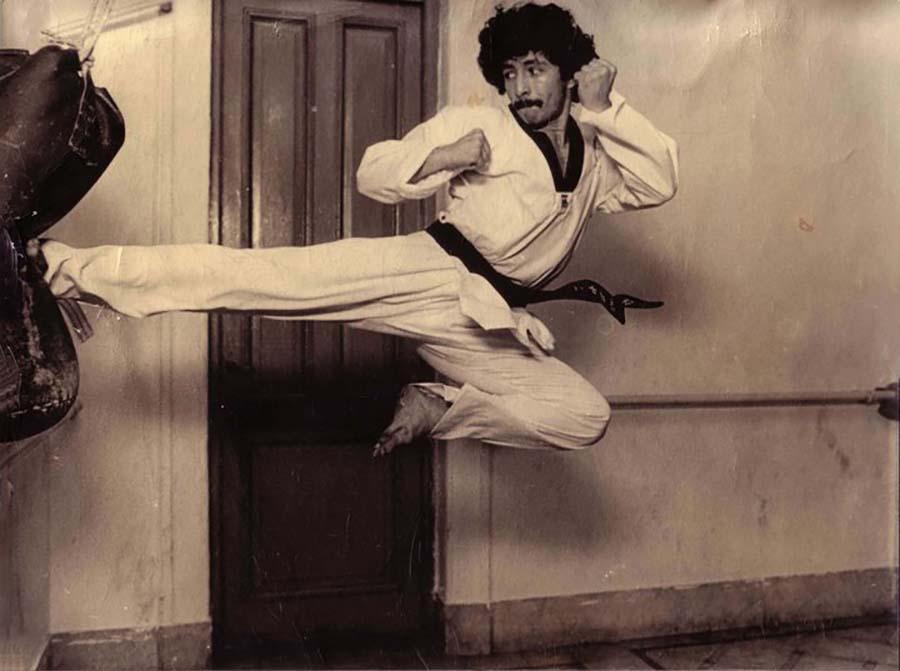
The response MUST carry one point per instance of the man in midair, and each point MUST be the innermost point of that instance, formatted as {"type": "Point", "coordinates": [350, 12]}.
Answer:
{"type": "Point", "coordinates": [522, 183]}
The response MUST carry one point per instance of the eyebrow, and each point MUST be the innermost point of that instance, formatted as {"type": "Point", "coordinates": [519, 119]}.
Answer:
{"type": "Point", "coordinates": [526, 63]}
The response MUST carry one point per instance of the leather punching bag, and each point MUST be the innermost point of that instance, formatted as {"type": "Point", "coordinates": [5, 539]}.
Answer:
{"type": "Point", "coordinates": [58, 133]}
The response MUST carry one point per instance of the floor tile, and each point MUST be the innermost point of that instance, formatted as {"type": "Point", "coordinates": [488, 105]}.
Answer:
{"type": "Point", "coordinates": [822, 663]}
{"type": "Point", "coordinates": [556, 658]}
{"type": "Point", "coordinates": [610, 657]}
{"type": "Point", "coordinates": [684, 657]}
{"type": "Point", "coordinates": [888, 634]}
{"type": "Point", "coordinates": [762, 653]}
{"type": "Point", "coordinates": [827, 644]}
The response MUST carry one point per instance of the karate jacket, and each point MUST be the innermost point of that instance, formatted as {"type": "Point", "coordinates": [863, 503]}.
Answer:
{"type": "Point", "coordinates": [522, 213]}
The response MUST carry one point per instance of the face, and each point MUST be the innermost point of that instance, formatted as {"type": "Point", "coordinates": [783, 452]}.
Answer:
{"type": "Point", "coordinates": [535, 88]}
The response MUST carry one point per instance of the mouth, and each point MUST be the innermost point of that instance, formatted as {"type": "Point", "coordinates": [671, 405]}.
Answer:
{"type": "Point", "coordinates": [524, 104]}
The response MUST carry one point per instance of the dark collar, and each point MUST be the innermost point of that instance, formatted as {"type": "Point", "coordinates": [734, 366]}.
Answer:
{"type": "Point", "coordinates": [569, 181]}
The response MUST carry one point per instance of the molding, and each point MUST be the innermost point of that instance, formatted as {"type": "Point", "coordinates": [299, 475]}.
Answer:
{"type": "Point", "coordinates": [43, 662]}
{"type": "Point", "coordinates": [466, 629]}
{"type": "Point", "coordinates": [182, 646]}
{"type": "Point", "coordinates": [24, 652]}
{"type": "Point", "coordinates": [770, 604]}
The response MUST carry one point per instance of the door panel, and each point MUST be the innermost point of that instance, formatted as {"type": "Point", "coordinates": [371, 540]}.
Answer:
{"type": "Point", "coordinates": [278, 178]}
{"type": "Point", "coordinates": [313, 536]}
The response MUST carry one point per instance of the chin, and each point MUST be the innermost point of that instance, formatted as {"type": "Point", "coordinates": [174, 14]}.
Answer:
{"type": "Point", "coordinates": [533, 121]}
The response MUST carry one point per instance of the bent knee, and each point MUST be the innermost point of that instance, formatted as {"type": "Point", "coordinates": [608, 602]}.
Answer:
{"type": "Point", "coordinates": [588, 419]}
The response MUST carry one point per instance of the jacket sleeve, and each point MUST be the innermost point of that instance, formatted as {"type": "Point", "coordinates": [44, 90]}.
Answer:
{"type": "Point", "coordinates": [387, 167]}
{"type": "Point", "coordinates": [639, 163]}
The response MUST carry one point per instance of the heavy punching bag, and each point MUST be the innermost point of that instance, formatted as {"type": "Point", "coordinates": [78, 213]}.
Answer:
{"type": "Point", "coordinates": [58, 133]}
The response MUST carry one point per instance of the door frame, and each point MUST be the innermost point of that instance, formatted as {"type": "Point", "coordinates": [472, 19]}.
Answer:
{"type": "Point", "coordinates": [431, 85]}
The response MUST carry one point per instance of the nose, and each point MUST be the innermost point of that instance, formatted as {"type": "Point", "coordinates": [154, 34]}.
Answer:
{"type": "Point", "coordinates": [522, 87]}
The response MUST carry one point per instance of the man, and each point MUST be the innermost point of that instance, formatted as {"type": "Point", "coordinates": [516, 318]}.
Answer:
{"type": "Point", "coordinates": [522, 183]}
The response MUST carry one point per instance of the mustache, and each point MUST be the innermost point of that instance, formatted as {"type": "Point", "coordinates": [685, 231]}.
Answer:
{"type": "Point", "coordinates": [522, 104]}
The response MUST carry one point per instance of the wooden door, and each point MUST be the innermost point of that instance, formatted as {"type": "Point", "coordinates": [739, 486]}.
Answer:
{"type": "Point", "coordinates": [311, 536]}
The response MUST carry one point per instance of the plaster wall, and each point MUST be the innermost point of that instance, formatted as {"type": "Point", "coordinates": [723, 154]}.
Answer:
{"type": "Point", "coordinates": [777, 262]}
{"type": "Point", "coordinates": [128, 490]}
{"type": "Point", "coordinates": [24, 555]}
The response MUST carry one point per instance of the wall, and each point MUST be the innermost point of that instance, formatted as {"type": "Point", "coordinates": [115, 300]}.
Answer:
{"type": "Point", "coordinates": [781, 111]}
{"type": "Point", "coordinates": [777, 262]}
{"type": "Point", "coordinates": [128, 490]}
{"type": "Point", "coordinates": [24, 554]}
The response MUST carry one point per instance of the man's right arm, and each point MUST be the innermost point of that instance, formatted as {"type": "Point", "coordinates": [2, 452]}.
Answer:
{"type": "Point", "coordinates": [470, 152]}
{"type": "Point", "coordinates": [425, 159]}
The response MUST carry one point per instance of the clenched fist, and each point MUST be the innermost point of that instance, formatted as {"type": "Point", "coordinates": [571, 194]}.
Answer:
{"type": "Point", "coordinates": [470, 152]}
{"type": "Point", "coordinates": [595, 81]}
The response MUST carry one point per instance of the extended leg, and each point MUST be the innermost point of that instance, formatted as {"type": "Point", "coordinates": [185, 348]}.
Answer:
{"type": "Point", "coordinates": [346, 280]}
{"type": "Point", "coordinates": [405, 286]}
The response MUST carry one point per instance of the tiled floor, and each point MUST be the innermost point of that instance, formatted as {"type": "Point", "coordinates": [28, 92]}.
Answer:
{"type": "Point", "coordinates": [874, 647]}
{"type": "Point", "coordinates": [859, 648]}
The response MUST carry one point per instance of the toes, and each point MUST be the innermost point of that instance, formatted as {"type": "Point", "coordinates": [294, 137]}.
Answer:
{"type": "Point", "coordinates": [415, 415]}
{"type": "Point", "coordinates": [393, 437]}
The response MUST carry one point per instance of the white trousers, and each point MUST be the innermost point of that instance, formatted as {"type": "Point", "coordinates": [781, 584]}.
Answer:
{"type": "Point", "coordinates": [406, 286]}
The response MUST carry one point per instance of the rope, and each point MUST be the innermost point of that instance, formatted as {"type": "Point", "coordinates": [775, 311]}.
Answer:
{"type": "Point", "coordinates": [96, 21]}
{"type": "Point", "coordinates": [93, 27]}
{"type": "Point", "coordinates": [76, 318]}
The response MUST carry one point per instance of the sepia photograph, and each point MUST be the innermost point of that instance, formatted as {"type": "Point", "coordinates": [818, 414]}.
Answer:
{"type": "Point", "coordinates": [449, 334]}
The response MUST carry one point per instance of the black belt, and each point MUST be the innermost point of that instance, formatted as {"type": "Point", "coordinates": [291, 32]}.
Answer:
{"type": "Point", "coordinates": [455, 243]}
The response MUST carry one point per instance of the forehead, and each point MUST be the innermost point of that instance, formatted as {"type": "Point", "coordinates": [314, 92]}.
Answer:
{"type": "Point", "coordinates": [531, 58]}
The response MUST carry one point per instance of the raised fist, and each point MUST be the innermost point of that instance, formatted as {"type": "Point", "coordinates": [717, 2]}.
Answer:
{"type": "Point", "coordinates": [595, 81]}
{"type": "Point", "coordinates": [470, 152]}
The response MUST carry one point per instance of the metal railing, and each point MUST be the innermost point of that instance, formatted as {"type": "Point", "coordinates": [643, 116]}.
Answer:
{"type": "Point", "coordinates": [886, 398]}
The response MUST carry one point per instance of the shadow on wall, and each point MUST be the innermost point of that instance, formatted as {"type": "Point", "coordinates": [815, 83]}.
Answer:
{"type": "Point", "coordinates": [555, 518]}
{"type": "Point", "coordinates": [623, 253]}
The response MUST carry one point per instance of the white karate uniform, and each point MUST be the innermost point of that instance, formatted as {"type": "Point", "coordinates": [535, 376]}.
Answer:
{"type": "Point", "coordinates": [510, 394]}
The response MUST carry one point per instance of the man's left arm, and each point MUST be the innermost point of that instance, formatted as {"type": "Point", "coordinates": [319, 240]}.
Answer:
{"type": "Point", "coordinates": [642, 161]}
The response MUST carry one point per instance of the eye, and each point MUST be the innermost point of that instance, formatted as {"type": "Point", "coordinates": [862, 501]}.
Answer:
{"type": "Point", "coordinates": [535, 70]}
{"type": "Point", "coordinates": [509, 74]}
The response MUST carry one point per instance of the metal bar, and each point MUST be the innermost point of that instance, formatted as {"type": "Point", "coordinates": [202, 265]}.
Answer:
{"type": "Point", "coordinates": [762, 400]}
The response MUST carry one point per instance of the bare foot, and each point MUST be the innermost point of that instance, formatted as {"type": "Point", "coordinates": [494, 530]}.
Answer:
{"type": "Point", "coordinates": [417, 412]}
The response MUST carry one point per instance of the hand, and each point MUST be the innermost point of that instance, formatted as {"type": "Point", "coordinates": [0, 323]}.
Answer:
{"type": "Point", "coordinates": [595, 81]}
{"type": "Point", "coordinates": [533, 333]}
{"type": "Point", "coordinates": [470, 152]}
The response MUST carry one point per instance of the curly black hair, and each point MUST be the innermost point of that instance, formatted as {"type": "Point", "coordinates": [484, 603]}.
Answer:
{"type": "Point", "coordinates": [548, 29]}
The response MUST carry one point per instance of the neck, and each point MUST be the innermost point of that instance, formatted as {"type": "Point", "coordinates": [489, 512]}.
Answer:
{"type": "Point", "coordinates": [555, 130]}
{"type": "Point", "coordinates": [557, 127]}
